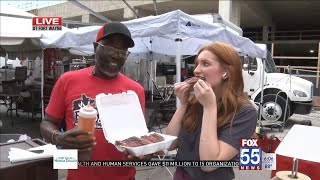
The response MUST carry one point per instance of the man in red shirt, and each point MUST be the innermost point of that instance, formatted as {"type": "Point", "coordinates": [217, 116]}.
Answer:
{"type": "Point", "coordinates": [82, 86]}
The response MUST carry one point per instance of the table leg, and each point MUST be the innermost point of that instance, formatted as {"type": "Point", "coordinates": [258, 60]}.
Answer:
{"type": "Point", "coordinates": [10, 106]}
{"type": "Point", "coordinates": [294, 169]}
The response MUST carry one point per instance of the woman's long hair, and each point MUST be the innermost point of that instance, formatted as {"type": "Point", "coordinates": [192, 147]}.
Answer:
{"type": "Point", "coordinates": [232, 96]}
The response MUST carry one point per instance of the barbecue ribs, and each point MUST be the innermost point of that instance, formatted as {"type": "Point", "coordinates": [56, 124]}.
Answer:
{"type": "Point", "coordinates": [193, 80]}
{"type": "Point", "coordinates": [144, 140]}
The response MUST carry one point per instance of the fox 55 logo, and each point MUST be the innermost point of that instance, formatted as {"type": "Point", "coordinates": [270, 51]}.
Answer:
{"type": "Point", "coordinates": [250, 154]}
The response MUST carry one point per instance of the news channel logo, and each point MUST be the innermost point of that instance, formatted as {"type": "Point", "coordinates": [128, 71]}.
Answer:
{"type": "Point", "coordinates": [250, 154]}
{"type": "Point", "coordinates": [65, 159]}
{"type": "Point", "coordinates": [48, 23]}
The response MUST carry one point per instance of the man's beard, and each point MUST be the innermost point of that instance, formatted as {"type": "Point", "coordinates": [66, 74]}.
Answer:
{"type": "Point", "coordinates": [107, 72]}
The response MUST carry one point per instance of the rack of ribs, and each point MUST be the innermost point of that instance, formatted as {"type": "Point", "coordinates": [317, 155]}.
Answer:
{"type": "Point", "coordinates": [131, 142]}
{"type": "Point", "coordinates": [152, 138]}
{"type": "Point", "coordinates": [144, 140]}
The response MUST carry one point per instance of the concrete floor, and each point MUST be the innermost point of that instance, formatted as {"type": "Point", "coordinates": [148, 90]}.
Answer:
{"type": "Point", "coordinates": [23, 125]}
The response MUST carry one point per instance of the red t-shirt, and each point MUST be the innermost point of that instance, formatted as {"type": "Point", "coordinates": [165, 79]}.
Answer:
{"type": "Point", "coordinates": [68, 92]}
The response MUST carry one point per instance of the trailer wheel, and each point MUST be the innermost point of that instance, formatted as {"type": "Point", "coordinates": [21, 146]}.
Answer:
{"type": "Point", "coordinates": [274, 111]}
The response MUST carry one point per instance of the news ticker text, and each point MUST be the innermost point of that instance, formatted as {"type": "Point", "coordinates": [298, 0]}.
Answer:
{"type": "Point", "coordinates": [156, 163]}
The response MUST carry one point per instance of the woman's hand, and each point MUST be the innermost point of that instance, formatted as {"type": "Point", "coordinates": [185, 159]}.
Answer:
{"type": "Point", "coordinates": [182, 91]}
{"type": "Point", "coordinates": [70, 139]}
{"type": "Point", "coordinates": [204, 93]}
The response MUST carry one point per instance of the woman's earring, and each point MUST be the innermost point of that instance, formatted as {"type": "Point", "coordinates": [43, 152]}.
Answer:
{"type": "Point", "coordinates": [225, 74]}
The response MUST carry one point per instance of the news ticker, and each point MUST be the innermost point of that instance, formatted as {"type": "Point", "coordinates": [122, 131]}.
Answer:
{"type": "Point", "coordinates": [156, 163]}
{"type": "Point", "coordinates": [251, 157]}
{"type": "Point", "coordinates": [267, 162]}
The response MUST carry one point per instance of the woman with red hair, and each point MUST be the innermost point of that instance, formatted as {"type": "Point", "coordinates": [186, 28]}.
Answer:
{"type": "Point", "coordinates": [214, 114]}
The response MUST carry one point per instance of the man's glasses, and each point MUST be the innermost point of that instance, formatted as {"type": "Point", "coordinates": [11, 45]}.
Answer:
{"type": "Point", "coordinates": [112, 51]}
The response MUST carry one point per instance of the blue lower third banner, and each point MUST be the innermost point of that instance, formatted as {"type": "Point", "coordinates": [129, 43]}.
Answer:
{"type": "Point", "coordinates": [155, 163]}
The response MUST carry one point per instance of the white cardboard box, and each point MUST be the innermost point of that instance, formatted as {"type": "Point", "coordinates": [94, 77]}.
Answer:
{"type": "Point", "coordinates": [122, 117]}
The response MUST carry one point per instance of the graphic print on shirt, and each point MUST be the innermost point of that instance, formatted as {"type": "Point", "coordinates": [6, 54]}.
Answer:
{"type": "Point", "coordinates": [83, 100]}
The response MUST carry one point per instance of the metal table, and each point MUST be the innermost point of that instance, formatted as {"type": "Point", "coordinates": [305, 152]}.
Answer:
{"type": "Point", "coordinates": [9, 99]}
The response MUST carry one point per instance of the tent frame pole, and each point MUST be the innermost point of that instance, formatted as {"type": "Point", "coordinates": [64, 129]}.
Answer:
{"type": "Point", "coordinates": [6, 67]}
{"type": "Point", "coordinates": [42, 84]}
{"type": "Point", "coordinates": [178, 41]}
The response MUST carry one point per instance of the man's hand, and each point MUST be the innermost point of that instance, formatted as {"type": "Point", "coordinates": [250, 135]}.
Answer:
{"type": "Point", "coordinates": [70, 139]}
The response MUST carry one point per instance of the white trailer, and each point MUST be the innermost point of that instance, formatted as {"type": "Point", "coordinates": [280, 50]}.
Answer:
{"type": "Point", "coordinates": [283, 94]}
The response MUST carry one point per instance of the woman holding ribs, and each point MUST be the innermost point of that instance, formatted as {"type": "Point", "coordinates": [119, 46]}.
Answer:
{"type": "Point", "coordinates": [214, 113]}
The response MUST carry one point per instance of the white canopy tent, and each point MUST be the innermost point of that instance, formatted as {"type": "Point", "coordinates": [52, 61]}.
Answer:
{"type": "Point", "coordinates": [80, 41]}
{"type": "Point", "coordinates": [16, 30]}
{"type": "Point", "coordinates": [17, 35]}
{"type": "Point", "coordinates": [166, 28]}
{"type": "Point", "coordinates": [177, 33]}
{"type": "Point", "coordinates": [173, 34]}
{"type": "Point", "coordinates": [162, 30]}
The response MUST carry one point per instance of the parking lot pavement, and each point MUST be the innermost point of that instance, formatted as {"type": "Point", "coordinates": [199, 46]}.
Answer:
{"type": "Point", "coordinates": [314, 117]}
{"type": "Point", "coordinates": [22, 125]}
